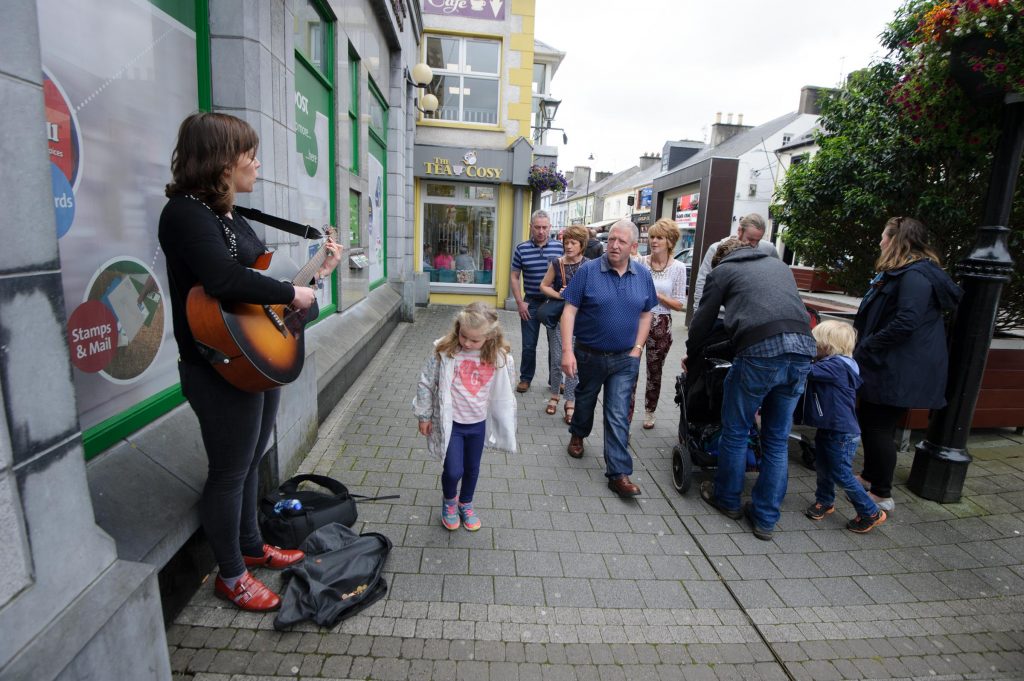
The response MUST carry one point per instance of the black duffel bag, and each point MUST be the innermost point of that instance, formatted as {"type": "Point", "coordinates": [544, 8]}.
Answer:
{"type": "Point", "coordinates": [289, 528]}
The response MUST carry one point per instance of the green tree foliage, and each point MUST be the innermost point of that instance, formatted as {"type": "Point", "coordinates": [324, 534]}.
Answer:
{"type": "Point", "coordinates": [879, 158]}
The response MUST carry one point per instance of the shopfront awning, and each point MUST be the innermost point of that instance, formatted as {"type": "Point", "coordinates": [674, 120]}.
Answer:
{"type": "Point", "coordinates": [602, 225]}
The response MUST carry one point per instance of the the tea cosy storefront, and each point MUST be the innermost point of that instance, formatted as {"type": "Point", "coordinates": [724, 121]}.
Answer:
{"type": "Point", "coordinates": [467, 203]}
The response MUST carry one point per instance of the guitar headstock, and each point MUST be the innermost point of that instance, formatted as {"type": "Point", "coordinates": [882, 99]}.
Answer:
{"type": "Point", "coordinates": [330, 233]}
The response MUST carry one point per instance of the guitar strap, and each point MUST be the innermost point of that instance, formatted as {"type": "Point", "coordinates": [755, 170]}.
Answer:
{"type": "Point", "coordinates": [305, 231]}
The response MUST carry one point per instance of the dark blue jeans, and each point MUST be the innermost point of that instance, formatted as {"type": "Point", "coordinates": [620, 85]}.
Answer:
{"type": "Point", "coordinates": [462, 460]}
{"type": "Point", "coordinates": [531, 334]}
{"type": "Point", "coordinates": [236, 427]}
{"type": "Point", "coordinates": [833, 462]}
{"type": "Point", "coordinates": [774, 384]}
{"type": "Point", "coordinates": [617, 374]}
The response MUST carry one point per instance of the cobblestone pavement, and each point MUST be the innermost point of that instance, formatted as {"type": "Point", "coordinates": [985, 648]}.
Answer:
{"type": "Point", "coordinates": [567, 581]}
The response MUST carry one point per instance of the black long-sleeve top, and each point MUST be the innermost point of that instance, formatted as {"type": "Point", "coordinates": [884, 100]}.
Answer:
{"type": "Point", "coordinates": [196, 248]}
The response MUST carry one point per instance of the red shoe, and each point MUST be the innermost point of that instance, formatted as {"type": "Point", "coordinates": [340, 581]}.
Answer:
{"type": "Point", "coordinates": [274, 558]}
{"type": "Point", "coordinates": [249, 594]}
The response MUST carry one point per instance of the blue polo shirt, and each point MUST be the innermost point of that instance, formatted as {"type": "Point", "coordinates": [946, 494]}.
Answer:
{"type": "Point", "coordinates": [532, 261]}
{"type": "Point", "coordinates": [609, 305]}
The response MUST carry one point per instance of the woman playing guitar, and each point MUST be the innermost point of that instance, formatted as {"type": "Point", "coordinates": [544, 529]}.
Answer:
{"type": "Point", "coordinates": [215, 159]}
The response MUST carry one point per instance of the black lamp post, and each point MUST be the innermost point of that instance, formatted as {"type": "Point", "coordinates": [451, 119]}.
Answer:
{"type": "Point", "coordinates": [941, 460]}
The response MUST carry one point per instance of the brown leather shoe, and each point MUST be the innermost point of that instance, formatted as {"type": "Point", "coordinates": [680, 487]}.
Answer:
{"type": "Point", "coordinates": [623, 487]}
{"type": "Point", "coordinates": [575, 447]}
{"type": "Point", "coordinates": [249, 594]}
{"type": "Point", "coordinates": [274, 558]}
{"type": "Point", "coordinates": [523, 386]}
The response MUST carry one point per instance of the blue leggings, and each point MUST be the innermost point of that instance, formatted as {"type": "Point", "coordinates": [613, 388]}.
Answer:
{"type": "Point", "coordinates": [462, 460]}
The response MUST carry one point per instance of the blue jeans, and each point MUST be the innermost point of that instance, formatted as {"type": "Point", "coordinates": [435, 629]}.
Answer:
{"type": "Point", "coordinates": [531, 333]}
{"type": "Point", "coordinates": [617, 373]}
{"type": "Point", "coordinates": [774, 384]}
{"type": "Point", "coordinates": [833, 462]}
{"type": "Point", "coordinates": [462, 460]}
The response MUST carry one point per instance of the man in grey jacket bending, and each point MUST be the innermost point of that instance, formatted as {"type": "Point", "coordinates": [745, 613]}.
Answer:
{"type": "Point", "coordinates": [751, 232]}
{"type": "Point", "coordinates": [769, 331]}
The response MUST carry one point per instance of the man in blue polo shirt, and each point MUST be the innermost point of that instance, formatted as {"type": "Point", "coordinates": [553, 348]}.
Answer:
{"type": "Point", "coordinates": [608, 308]}
{"type": "Point", "coordinates": [531, 258]}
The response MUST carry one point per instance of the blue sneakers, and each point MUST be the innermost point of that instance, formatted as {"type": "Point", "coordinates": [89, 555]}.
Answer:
{"type": "Point", "coordinates": [449, 515]}
{"type": "Point", "coordinates": [469, 518]}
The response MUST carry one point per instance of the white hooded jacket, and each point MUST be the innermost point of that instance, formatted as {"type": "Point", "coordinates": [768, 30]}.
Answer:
{"type": "Point", "coordinates": [433, 402]}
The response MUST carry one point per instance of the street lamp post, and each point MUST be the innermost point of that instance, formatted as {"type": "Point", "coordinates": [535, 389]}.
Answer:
{"type": "Point", "coordinates": [586, 197]}
{"type": "Point", "coordinates": [941, 460]}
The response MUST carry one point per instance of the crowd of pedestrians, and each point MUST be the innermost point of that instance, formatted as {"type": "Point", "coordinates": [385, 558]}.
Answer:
{"type": "Point", "coordinates": [602, 313]}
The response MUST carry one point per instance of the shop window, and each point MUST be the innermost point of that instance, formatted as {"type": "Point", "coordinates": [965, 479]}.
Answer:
{"type": "Point", "coordinates": [353, 109]}
{"type": "Point", "coordinates": [466, 78]}
{"type": "Point", "coordinates": [458, 233]}
{"type": "Point", "coordinates": [310, 36]}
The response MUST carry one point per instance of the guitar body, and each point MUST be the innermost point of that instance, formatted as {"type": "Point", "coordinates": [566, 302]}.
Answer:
{"type": "Point", "coordinates": [253, 347]}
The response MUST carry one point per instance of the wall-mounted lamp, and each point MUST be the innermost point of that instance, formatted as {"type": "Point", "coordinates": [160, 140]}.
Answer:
{"type": "Point", "coordinates": [548, 108]}
{"type": "Point", "coordinates": [420, 77]}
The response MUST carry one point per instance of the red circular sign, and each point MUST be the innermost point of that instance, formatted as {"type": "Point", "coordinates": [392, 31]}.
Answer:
{"type": "Point", "coordinates": [61, 130]}
{"type": "Point", "coordinates": [92, 336]}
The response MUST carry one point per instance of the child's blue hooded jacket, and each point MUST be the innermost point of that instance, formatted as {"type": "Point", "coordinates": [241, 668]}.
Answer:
{"type": "Point", "coordinates": [831, 395]}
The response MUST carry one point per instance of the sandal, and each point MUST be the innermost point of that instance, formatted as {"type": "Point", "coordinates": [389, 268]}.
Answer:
{"type": "Point", "coordinates": [569, 411]}
{"type": "Point", "coordinates": [552, 407]}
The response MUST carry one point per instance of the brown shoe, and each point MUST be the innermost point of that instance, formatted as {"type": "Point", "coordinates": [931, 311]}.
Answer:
{"type": "Point", "coordinates": [623, 487]}
{"type": "Point", "coordinates": [523, 386]}
{"type": "Point", "coordinates": [575, 447]}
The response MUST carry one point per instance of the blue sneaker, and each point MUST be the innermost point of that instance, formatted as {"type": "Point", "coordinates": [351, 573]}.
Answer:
{"type": "Point", "coordinates": [449, 515]}
{"type": "Point", "coordinates": [469, 518]}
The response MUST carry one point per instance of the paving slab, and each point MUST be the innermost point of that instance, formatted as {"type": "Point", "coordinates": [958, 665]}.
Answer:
{"type": "Point", "coordinates": [566, 581]}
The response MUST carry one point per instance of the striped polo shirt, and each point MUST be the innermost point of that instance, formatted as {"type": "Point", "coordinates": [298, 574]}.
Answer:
{"type": "Point", "coordinates": [532, 261]}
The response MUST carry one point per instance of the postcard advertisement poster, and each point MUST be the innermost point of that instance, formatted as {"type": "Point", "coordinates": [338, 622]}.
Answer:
{"type": "Point", "coordinates": [375, 221]}
{"type": "Point", "coordinates": [117, 82]}
{"type": "Point", "coordinates": [312, 146]}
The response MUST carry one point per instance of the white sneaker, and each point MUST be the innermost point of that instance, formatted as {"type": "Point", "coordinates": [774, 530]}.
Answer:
{"type": "Point", "coordinates": [887, 504]}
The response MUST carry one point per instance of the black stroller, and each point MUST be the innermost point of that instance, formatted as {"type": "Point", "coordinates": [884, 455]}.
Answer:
{"type": "Point", "coordinates": [699, 396]}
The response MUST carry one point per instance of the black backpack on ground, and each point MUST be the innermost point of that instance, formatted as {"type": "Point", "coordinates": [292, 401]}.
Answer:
{"type": "Point", "coordinates": [341, 575]}
{"type": "Point", "coordinates": [289, 528]}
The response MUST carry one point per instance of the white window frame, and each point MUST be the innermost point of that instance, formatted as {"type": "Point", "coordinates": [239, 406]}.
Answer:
{"type": "Point", "coordinates": [461, 73]}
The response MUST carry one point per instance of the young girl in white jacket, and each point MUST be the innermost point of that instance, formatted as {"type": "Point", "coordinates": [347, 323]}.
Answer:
{"type": "Point", "coordinates": [464, 401]}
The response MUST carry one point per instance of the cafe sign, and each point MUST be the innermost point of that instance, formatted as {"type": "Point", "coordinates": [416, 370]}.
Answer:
{"type": "Point", "coordinates": [486, 165]}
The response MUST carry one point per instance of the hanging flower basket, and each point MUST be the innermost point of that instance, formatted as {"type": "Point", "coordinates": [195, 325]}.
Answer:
{"type": "Point", "coordinates": [547, 178]}
{"type": "Point", "coordinates": [960, 50]}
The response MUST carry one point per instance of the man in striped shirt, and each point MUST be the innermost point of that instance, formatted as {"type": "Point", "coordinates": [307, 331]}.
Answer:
{"type": "Point", "coordinates": [531, 259]}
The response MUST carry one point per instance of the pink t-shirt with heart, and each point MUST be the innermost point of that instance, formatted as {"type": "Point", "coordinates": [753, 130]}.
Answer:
{"type": "Point", "coordinates": [471, 387]}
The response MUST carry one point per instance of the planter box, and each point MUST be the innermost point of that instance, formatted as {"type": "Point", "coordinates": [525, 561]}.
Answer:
{"type": "Point", "coordinates": [810, 279]}
{"type": "Point", "coordinates": [1001, 400]}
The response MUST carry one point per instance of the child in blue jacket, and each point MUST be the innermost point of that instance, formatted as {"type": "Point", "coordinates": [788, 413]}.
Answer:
{"type": "Point", "coordinates": [829, 403]}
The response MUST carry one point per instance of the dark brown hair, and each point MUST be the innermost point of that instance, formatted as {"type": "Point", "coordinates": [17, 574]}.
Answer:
{"type": "Point", "coordinates": [725, 248]}
{"type": "Point", "coordinates": [577, 233]}
{"type": "Point", "coordinates": [908, 242]}
{"type": "Point", "coordinates": [209, 145]}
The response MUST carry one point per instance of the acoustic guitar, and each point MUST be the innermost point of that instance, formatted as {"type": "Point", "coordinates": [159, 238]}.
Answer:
{"type": "Point", "coordinates": [255, 347]}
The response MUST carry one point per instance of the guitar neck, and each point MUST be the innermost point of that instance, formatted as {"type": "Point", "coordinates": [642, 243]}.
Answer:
{"type": "Point", "coordinates": [309, 270]}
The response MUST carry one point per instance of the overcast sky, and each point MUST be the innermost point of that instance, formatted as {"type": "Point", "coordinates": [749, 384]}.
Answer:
{"type": "Point", "coordinates": [639, 72]}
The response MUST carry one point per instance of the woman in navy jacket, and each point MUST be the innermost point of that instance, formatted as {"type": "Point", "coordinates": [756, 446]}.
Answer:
{"type": "Point", "coordinates": [901, 346]}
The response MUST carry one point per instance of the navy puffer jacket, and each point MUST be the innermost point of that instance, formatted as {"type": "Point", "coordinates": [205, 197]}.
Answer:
{"type": "Point", "coordinates": [901, 338]}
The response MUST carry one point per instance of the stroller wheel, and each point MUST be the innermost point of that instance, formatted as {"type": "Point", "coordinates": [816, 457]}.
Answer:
{"type": "Point", "coordinates": [807, 454]}
{"type": "Point", "coordinates": [682, 469]}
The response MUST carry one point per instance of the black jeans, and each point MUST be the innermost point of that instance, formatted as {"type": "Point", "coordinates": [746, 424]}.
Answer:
{"type": "Point", "coordinates": [236, 427]}
{"type": "Point", "coordinates": [878, 424]}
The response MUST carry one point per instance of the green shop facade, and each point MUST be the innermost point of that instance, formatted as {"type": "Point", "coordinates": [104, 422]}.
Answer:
{"type": "Point", "coordinates": [99, 457]}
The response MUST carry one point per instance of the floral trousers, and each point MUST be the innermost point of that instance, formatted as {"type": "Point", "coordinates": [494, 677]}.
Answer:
{"type": "Point", "coordinates": [659, 342]}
